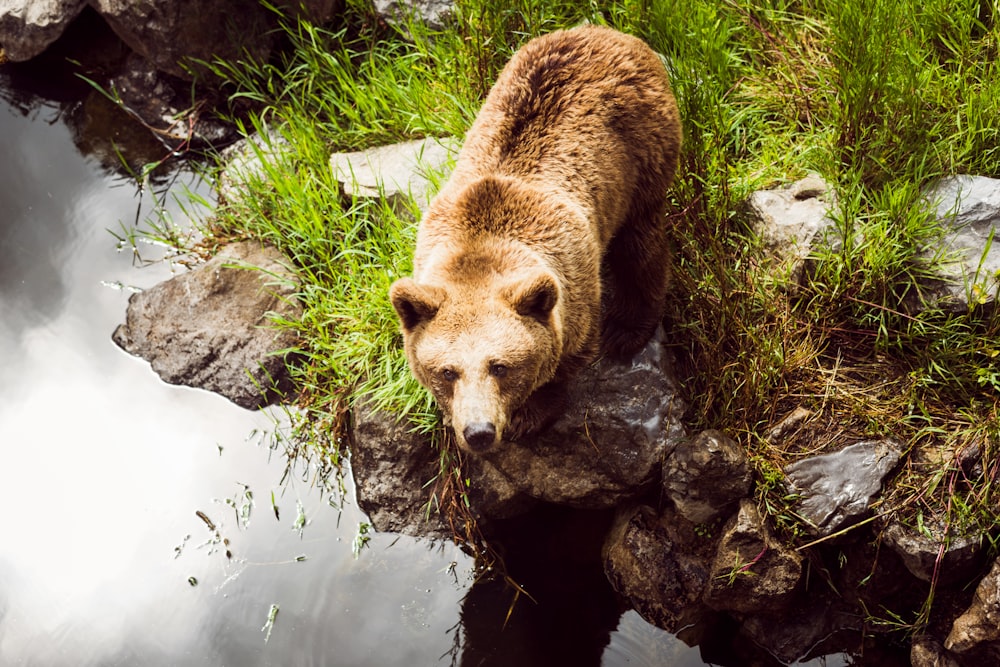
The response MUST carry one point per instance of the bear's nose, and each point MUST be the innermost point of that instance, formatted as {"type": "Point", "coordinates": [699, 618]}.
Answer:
{"type": "Point", "coordinates": [480, 435]}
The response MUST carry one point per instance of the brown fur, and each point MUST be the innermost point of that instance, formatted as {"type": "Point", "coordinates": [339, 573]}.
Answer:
{"type": "Point", "coordinates": [557, 201]}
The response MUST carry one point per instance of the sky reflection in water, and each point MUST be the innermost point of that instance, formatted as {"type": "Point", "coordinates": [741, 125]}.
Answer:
{"type": "Point", "coordinates": [103, 467]}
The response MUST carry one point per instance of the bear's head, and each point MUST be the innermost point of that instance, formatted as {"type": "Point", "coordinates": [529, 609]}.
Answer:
{"type": "Point", "coordinates": [481, 349]}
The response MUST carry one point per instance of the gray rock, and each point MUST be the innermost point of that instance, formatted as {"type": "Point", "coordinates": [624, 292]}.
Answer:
{"type": "Point", "coordinates": [752, 571]}
{"type": "Point", "coordinates": [706, 476]}
{"type": "Point", "coordinates": [620, 422]}
{"type": "Point", "coordinates": [243, 163]}
{"type": "Point", "coordinates": [397, 173]}
{"type": "Point", "coordinates": [392, 465]}
{"type": "Point", "coordinates": [650, 568]}
{"type": "Point", "coordinates": [837, 488]}
{"type": "Point", "coordinates": [210, 327]}
{"type": "Point", "coordinates": [959, 556]}
{"type": "Point", "coordinates": [968, 209]}
{"type": "Point", "coordinates": [433, 13]}
{"type": "Point", "coordinates": [28, 27]}
{"type": "Point", "coordinates": [794, 220]}
{"type": "Point", "coordinates": [606, 449]}
{"type": "Point", "coordinates": [978, 628]}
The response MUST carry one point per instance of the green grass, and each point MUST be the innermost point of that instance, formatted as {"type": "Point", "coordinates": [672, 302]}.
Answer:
{"type": "Point", "coordinates": [878, 97]}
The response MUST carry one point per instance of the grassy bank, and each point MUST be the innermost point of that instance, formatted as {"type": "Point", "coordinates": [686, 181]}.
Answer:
{"type": "Point", "coordinates": [879, 98]}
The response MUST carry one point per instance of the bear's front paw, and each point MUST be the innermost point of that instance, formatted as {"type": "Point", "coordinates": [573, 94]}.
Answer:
{"type": "Point", "coordinates": [541, 410]}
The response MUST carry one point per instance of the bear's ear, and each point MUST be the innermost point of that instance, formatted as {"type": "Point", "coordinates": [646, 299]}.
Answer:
{"type": "Point", "coordinates": [533, 297]}
{"type": "Point", "coordinates": [414, 303]}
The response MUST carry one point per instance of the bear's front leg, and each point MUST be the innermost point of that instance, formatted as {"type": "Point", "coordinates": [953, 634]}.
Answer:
{"type": "Point", "coordinates": [540, 411]}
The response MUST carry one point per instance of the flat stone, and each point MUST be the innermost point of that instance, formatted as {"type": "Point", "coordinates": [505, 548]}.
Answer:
{"type": "Point", "coordinates": [397, 173]}
{"type": "Point", "coordinates": [837, 489]}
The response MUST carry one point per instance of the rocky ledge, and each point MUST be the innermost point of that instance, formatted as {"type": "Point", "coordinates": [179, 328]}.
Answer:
{"type": "Point", "coordinates": [688, 543]}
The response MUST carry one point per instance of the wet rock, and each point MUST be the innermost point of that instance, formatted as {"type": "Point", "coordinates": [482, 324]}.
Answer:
{"type": "Point", "coordinates": [838, 488]}
{"type": "Point", "coordinates": [398, 173]}
{"type": "Point", "coordinates": [706, 476]}
{"type": "Point", "coordinates": [960, 556]}
{"type": "Point", "coordinates": [210, 328]}
{"type": "Point", "coordinates": [163, 104]}
{"type": "Point", "coordinates": [28, 27]}
{"type": "Point", "coordinates": [927, 651]}
{"type": "Point", "coordinates": [977, 631]}
{"type": "Point", "coordinates": [815, 625]}
{"type": "Point", "coordinates": [173, 34]}
{"type": "Point", "coordinates": [433, 13]}
{"type": "Point", "coordinates": [752, 571]}
{"type": "Point", "coordinates": [793, 220]}
{"type": "Point", "coordinates": [392, 465]}
{"type": "Point", "coordinates": [606, 448]}
{"type": "Point", "coordinates": [620, 422]}
{"type": "Point", "coordinates": [649, 567]}
{"type": "Point", "coordinates": [968, 209]}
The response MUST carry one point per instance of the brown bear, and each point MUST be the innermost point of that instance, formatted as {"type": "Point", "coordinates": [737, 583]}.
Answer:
{"type": "Point", "coordinates": [548, 243]}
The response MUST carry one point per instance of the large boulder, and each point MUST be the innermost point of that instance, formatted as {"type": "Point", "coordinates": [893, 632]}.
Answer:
{"type": "Point", "coordinates": [606, 448]}
{"type": "Point", "coordinates": [28, 27]}
{"type": "Point", "coordinates": [620, 422]}
{"type": "Point", "coordinates": [170, 34]}
{"type": "Point", "coordinates": [211, 327]}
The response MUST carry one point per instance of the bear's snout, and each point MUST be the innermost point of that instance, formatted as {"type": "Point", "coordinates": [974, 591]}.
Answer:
{"type": "Point", "coordinates": [480, 435]}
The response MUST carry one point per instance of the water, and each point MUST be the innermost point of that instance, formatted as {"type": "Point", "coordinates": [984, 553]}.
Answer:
{"type": "Point", "coordinates": [104, 559]}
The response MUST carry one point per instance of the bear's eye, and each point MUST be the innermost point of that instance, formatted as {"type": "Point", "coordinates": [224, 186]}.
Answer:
{"type": "Point", "coordinates": [498, 370]}
{"type": "Point", "coordinates": [449, 374]}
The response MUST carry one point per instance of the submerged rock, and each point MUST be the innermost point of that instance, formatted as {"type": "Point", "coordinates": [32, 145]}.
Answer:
{"type": "Point", "coordinates": [752, 571]}
{"type": "Point", "coordinates": [210, 327]}
{"type": "Point", "coordinates": [837, 488]}
{"type": "Point", "coordinates": [706, 476]}
{"type": "Point", "coordinates": [968, 209]}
